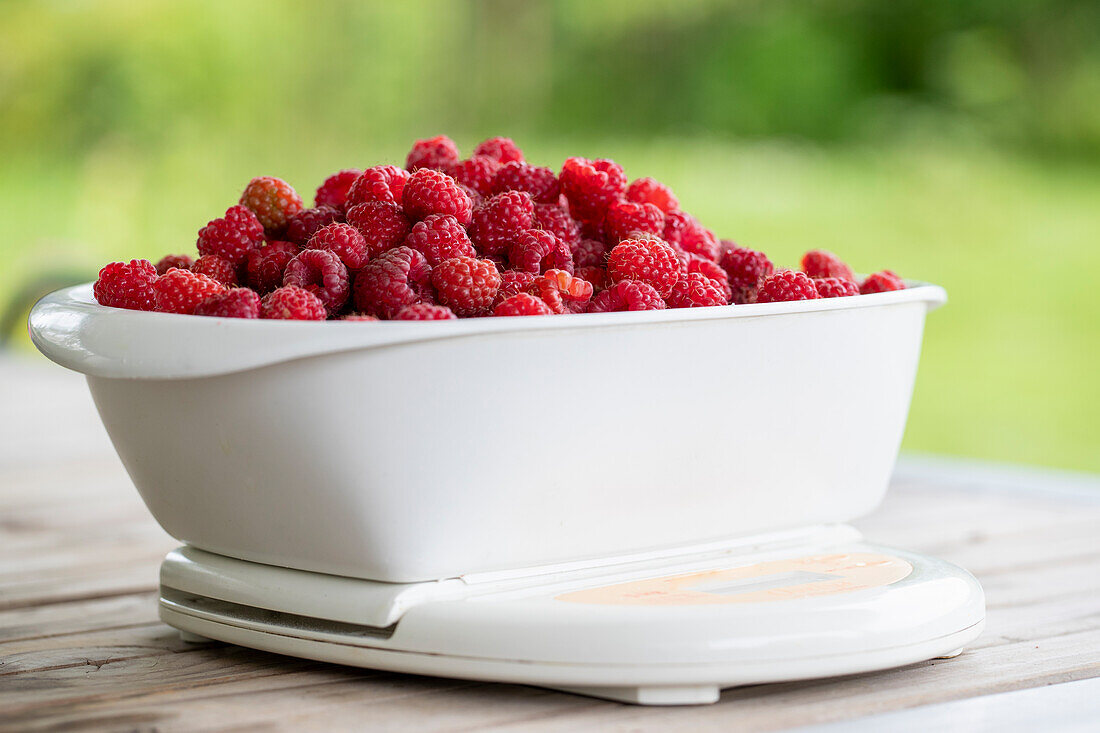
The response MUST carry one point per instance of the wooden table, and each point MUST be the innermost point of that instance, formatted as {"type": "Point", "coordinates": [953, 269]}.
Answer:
{"type": "Point", "coordinates": [81, 646]}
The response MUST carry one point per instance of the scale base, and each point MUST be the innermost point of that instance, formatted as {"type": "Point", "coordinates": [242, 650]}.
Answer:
{"type": "Point", "coordinates": [667, 631]}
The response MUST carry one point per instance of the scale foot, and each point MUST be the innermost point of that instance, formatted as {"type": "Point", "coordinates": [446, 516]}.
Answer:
{"type": "Point", "coordinates": [689, 695]}
{"type": "Point", "coordinates": [951, 655]}
{"type": "Point", "coordinates": [191, 638]}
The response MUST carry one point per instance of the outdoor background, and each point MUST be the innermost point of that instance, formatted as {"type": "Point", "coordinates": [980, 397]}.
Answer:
{"type": "Point", "coordinates": [955, 142]}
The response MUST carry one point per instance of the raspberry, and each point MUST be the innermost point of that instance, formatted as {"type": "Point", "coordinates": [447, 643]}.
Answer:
{"type": "Point", "coordinates": [383, 225]}
{"type": "Point", "coordinates": [273, 201]}
{"type": "Point", "coordinates": [512, 282]}
{"type": "Point", "coordinates": [127, 285]}
{"type": "Point", "coordinates": [235, 303]}
{"type": "Point", "coordinates": [500, 149]}
{"type": "Point", "coordinates": [476, 173]}
{"type": "Point", "coordinates": [391, 281]}
{"type": "Point", "coordinates": [819, 263]}
{"type": "Point", "coordinates": [425, 312]}
{"type": "Point", "coordinates": [628, 295]}
{"type": "Point", "coordinates": [537, 251]}
{"type": "Point", "coordinates": [590, 185]}
{"type": "Point", "coordinates": [385, 183]}
{"type": "Point", "coordinates": [647, 260]}
{"type": "Point", "coordinates": [467, 285]}
{"type": "Point", "coordinates": [334, 191]}
{"type": "Point", "coordinates": [786, 285]}
{"type": "Point", "coordinates": [291, 303]}
{"type": "Point", "coordinates": [440, 237]}
{"type": "Point", "coordinates": [563, 292]}
{"type": "Point", "coordinates": [745, 268]}
{"type": "Point", "coordinates": [438, 152]}
{"type": "Point", "coordinates": [304, 224]}
{"type": "Point", "coordinates": [590, 252]}
{"type": "Point", "coordinates": [498, 221]}
{"type": "Point", "coordinates": [557, 221]}
{"type": "Point", "coordinates": [685, 231]}
{"type": "Point", "coordinates": [709, 269]}
{"type": "Point", "coordinates": [181, 262]}
{"type": "Point", "coordinates": [881, 282]}
{"type": "Point", "coordinates": [522, 304]}
{"type": "Point", "coordinates": [231, 236]}
{"type": "Point", "coordinates": [538, 181]}
{"type": "Point", "coordinates": [345, 242]}
{"type": "Point", "coordinates": [358, 317]}
{"type": "Point", "coordinates": [595, 275]}
{"type": "Point", "coordinates": [650, 191]}
{"type": "Point", "coordinates": [695, 290]}
{"type": "Point", "coordinates": [430, 192]}
{"type": "Point", "coordinates": [322, 273]}
{"type": "Point", "coordinates": [180, 291]}
{"type": "Point", "coordinates": [624, 217]}
{"type": "Point", "coordinates": [835, 287]}
{"type": "Point", "coordinates": [216, 268]}
{"type": "Point", "coordinates": [264, 266]}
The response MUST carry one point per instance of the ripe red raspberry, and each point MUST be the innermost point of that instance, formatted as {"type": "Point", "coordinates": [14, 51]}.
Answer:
{"type": "Point", "coordinates": [500, 149]}
{"type": "Point", "coordinates": [590, 186]}
{"type": "Point", "coordinates": [476, 173]}
{"type": "Point", "coordinates": [264, 266]}
{"type": "Point", "coordinates": [512, 282]}
{"type": "Point", "coordinates": [466, 285]}
{"type": "Point", "coordinates": [304, 224]}
{"type": "Point", "coordinates": [498, 221]}
{"type": "Point", "coordinates": [558, 222]}
{"type": "Point", "coordinates": [745, 269]}
{"type": "Point", "coordinates": [182, 262]}
{"type": "Point", "coordinates": [216, 268]}
{"type": "Point", "coordinates": [438, 152]}
{"type": "Point", "coordinates": [595, 275]}
{"type": "Point", "coordinates": [425, 312]}
{"type": "Point", "coordinates": [322, 273]}
{"type": "Point", "coordinates": [180, 291]}
{"type": "Point", "coordinates": [232, 235]}
{"type": "Point", "coordinates": [391, 281]}
{"type": "Point", "coordinates": [835, 287]}
{"type": "Point", "coordinates": [383, 225]}
{"type": "Point", "coordinates": [819, 263]}
{"type": "Point", "coordinates": [695, 290]}
{"type": "Point", "coordinates": [291, 303]}
{"type": "Point", "coordinates": [628, 295]}
{"type": "Point", "coordinates": [709, 269]}
{"type": "Point", "coordinates": [647, 260]}
{"type": "Point", "coordinates": [786, 285]}
{"type": "Point", "coordinates": [590, 253]}
{"type": "Point", "coordinates": [440, 237]}
{"type": "Point", "coordinates": [345, 242]}
{"type": "Point", "coordinates": [430, 192]}
{"type": "Point", "coordinates": [127, 285]}
{"type": "Point", "coordinates": [334, 191]}
{"type": "Point", "coordinates": [538, 181]}
{"type": "Point", "coordinates": [522, 304]}
{"type": "Point", "coordinates": [563, 292]}
{"type": "Point", "coordinates": [685, 231]}
{"type": "Point", "coordinates": [384, 183]}
{"type": "Point", "coordinates": [624, 218]}
{"type": "Point", "coordinates": [650, 191]}
{"type": "Point", "coordinates": [537, 251]}
{"type": "Point", "coordinates": [359, 317]}
{"type": "Point", "coordinates": [881, 282]}
{"type": "Point", "coordinates": [235, 303]}
{"type": "Point", "coordinates": [272, 200]}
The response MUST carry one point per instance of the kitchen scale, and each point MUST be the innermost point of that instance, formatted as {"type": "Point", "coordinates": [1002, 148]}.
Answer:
{"type": "Point", "coordinates": [669, 627]}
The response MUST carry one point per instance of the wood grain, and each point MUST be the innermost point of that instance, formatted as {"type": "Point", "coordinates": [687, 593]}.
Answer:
{"type": "Point", "coordinates": [81, 647]}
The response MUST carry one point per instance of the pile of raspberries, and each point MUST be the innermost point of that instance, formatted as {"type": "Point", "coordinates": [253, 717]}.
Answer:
{"type": "Point", "coordinates": [444, 237]}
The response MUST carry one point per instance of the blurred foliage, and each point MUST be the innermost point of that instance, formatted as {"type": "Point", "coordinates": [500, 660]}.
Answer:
{"type": "Point", "coordinates": [955, 142]}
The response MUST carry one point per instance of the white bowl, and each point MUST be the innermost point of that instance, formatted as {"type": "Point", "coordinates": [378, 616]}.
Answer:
{"type": "Point", "coordinates": [407, 451]}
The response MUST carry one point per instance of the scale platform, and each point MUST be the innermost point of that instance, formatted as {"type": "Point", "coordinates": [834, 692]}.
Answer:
{"type": "Point", "coordinates": [660, 628]}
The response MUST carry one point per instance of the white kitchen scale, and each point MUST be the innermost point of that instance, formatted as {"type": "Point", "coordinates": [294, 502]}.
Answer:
{"type": "Point", "coordinates": [659, 628]}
